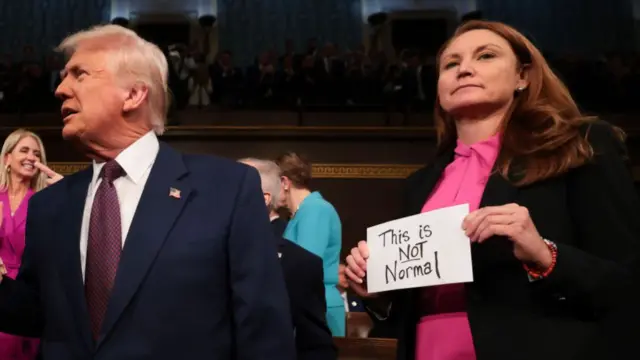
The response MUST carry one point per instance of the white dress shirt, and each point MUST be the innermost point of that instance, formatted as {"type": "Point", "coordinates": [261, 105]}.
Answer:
{"type": "Point", "coordinates": [136, 160]}
{"type": "Point", "coordinates": [343, 295]}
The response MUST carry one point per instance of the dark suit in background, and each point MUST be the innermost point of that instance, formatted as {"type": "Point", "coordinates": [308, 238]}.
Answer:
{"type": "Point", "coordinates": [303, 276]}
{"type": "Point", "coordinates": [196, 279]}
{"type": "Point", "coordinates": [279, 225]}
{"type": "Point", "coordinates": [354, 303]}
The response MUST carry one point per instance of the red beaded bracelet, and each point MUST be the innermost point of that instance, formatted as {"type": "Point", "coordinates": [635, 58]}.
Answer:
{"type": "Point", "coordinates": [536, 274]}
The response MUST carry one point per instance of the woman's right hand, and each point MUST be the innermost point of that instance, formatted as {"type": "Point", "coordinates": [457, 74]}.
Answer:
{"type": "Point", "coordinates": [356, 270]}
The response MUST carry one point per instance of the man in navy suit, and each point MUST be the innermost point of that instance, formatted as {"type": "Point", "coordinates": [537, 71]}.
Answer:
{"type": "Point", "coordinates": [303, 274]}
{"type": "Point", "coordinates": [148, 253]}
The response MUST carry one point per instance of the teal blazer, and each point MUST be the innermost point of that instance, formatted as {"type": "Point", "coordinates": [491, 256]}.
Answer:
{"type": "Point", "coordinates": [316, 227]}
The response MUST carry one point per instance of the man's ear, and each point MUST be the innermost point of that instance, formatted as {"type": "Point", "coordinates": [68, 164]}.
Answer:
{"type": "Point", "coordinates": [136, 96]}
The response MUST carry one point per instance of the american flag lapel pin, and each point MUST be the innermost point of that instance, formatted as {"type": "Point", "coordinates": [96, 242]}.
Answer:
{"type": "Point", "coordinates": [174, 193]}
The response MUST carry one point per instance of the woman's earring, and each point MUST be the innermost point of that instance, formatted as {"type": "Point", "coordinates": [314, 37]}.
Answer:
{"type": "Point", "coordinates": [521, 89]}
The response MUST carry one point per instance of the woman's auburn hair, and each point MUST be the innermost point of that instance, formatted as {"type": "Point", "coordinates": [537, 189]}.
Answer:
{"type": "Point", "coordinates": [542, 133]}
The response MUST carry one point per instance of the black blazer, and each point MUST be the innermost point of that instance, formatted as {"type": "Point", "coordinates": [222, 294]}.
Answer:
{"type": "Point", "coordinates": [304, 276]}
{"type": "Point", "coordinates": [584, 309]}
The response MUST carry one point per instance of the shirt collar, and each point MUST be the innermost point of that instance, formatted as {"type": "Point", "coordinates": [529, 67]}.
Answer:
{"type": "Point", "coordinates": [136, 159]}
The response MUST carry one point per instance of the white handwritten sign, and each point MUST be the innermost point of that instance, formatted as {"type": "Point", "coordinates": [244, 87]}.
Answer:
{"type": "Point", "coordinates": [420, 250]}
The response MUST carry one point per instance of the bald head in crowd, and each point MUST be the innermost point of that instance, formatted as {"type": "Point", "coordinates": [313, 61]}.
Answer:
{"type": "Point", "coordinates": [270, 180]}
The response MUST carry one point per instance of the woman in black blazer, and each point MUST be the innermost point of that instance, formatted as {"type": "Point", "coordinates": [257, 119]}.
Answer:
{"type": "Point", "coordinates": [555, 239]}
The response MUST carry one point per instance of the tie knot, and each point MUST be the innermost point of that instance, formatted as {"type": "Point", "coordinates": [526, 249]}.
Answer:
{"type": "Point", "coordinates": [111, 171]}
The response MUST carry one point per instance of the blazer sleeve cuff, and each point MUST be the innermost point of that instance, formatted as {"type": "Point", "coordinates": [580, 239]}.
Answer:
{"type": "Point", "coordinates": [583, 278]}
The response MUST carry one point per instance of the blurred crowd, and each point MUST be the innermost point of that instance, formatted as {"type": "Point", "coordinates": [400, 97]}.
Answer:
{"type": "Point", "coordinates": [317, 76]}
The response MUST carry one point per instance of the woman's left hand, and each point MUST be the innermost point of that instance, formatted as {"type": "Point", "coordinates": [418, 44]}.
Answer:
{"type": "Point", "coordinates": [512, 221]}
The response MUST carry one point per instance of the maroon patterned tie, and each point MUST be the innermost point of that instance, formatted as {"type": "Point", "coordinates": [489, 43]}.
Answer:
{"type": "Point", "coordinates": [104, 247]}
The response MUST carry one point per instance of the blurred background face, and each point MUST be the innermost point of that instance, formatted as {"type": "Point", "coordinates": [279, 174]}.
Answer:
{"type": "Point", "coordinates": [22, 158]}
{"type": "Point", "coordinates": [478, 68]}
{"type": "Point", "coordinates": [92, 98]}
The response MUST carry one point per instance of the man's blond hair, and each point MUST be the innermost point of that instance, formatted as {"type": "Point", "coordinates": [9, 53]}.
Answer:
{"type": "Point", "coordinates": [130, 56]}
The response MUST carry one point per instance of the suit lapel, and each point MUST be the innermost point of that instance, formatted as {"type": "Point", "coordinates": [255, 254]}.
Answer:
{"type": "Point", "coordinates": [69, 238]}
{"type": "Point", "coordinates": [281, 251]}
{"type": "Point", "coordinates": [154, 218]}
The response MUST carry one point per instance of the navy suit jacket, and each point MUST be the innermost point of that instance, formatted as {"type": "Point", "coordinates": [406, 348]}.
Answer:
{"type": "Point", "coordinates": [279, 225]}
{"type": "Point", "coordinates": [304, 279]}
{"type": "Point", "coordinates": [199, 277]}
{"type": "Point", "coordinates": [355, 304]}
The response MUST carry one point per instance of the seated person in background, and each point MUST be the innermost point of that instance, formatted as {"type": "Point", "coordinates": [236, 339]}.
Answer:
{"type": "Point", "coordinates": [303, 275]}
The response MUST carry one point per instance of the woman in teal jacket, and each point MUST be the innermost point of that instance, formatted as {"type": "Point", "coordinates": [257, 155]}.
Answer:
{"type": "Point", "coordinates": [314, 225]}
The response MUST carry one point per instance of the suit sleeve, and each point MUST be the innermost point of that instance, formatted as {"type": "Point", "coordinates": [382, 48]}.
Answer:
{"type": "Point", "coordinates": [604, 205]}
{"type": "Point", "coordinates": [20, 312]}
{"type": "Point", "coordinates": [314, 229]}
{"type": "Point", "coordinates": [260, 302]}
{"type": "Point", "coordinates": [313, 337]}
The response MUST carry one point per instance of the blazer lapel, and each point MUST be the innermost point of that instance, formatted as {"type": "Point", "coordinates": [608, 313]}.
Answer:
{"type": "Point", "coordinates": [69, 237]}
{"type": "Point", "coordinates": [498, 191]}
{"type": "Point", "coordinates": [163, 198]}
{"type": "Point", "coordinates": [420, 189]}
{"type": "Point", "coordinates": [6, 211]}
{"type": "Point", "coordinates": [21, 213]}
{"type": "Point", "coordinates": [17, 221]}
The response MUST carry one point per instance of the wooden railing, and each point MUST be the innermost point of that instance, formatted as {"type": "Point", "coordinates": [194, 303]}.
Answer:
{"type": "Point", "coordinates": [366, 349]}
{"type": "Point", "coordinates": [357, 345]}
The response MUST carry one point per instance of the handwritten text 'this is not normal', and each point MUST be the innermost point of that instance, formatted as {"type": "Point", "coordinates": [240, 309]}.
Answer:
{"type": "Point", "coordinates": [414, 258]}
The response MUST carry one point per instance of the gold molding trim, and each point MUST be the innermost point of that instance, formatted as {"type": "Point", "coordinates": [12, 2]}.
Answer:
{"type": "Point", "coordinates": [363, 171]}
{"type": "Point", "coordinates": [320, 171]}
{"type": "Point", "coordinates": [67, 168]}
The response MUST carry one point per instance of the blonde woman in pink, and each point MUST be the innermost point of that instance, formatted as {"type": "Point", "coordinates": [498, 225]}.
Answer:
{"type": "Point", "coordinates": [22, 173]}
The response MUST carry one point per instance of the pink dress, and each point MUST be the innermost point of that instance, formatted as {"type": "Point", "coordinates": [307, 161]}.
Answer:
{"type": "Point", "coordinates": [12, 241]}
{"type": "Point", "coordinates": [444, 332]}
